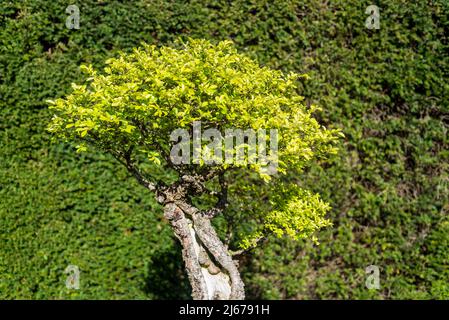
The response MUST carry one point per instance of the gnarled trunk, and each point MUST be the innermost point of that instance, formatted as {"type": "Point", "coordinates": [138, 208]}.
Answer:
{"type": "Point", "coordinates": [212, 272]}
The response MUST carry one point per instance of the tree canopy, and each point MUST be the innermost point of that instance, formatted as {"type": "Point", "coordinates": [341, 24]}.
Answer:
{"type": "Point", "coordinates": [132, 107]}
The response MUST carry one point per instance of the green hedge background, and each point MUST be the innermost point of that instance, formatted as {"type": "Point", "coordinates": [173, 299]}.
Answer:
{"type": "Point", "coordinates": [387, 89]}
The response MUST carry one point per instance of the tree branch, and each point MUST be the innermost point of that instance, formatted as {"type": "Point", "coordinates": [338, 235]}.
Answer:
{"type": "Point", "coordinates": [136, 172]}
{"type": "Point", "coordinates": [242, 251]}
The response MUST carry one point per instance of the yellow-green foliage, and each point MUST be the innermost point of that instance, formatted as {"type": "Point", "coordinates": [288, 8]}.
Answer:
{"type": "Point", "coordinates": [296, 213]}
{"type": "Point", "coordinates": [142, 97]}
{"type": "Point", "coordinates": [165, 89]}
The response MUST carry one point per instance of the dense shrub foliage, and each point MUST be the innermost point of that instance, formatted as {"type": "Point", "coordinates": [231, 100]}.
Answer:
{"type": "Point", "coordinates": [386, 89]}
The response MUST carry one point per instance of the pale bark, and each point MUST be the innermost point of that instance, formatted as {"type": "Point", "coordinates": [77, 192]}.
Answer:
{"type": "Point", "coordinates": [180, 226]}
{"type": "Point", "coordinates": [212, 272]}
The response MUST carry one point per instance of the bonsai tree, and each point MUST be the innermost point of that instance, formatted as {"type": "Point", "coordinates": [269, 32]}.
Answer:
{"type": "Point", "coordinates": [228, 137]}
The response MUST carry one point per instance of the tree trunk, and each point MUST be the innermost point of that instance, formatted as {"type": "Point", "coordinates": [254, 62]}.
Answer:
{"type": "Point", "coordinates": [212, 272]}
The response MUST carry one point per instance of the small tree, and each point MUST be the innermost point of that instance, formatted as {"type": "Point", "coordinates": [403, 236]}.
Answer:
{"type": "Point", "coordinates": [145, 101]}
